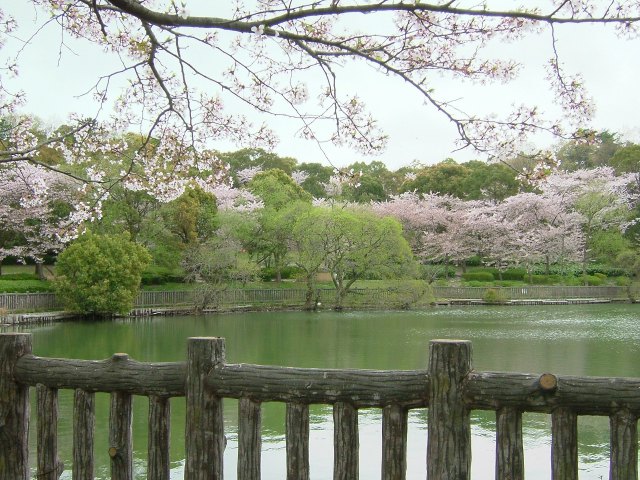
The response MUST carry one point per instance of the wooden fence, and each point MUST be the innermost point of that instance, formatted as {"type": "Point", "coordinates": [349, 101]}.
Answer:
{"type": "Point", "coordinates": [294, 296]}
{"type": "Point", "coordinates": [449, 388]}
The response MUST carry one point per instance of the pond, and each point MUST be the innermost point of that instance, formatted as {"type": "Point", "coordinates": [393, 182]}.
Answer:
{"type": "Point", "coordinates": [602, 340]}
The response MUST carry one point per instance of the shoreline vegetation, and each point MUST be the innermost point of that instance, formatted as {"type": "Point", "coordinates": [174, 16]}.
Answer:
{"type": "Point", "coordinates": [25, 299]}
{"type": "Point", "coordinates": [406, 296]}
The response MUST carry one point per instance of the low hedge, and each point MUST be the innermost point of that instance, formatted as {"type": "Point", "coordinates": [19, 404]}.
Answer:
{"type": "Point", "coordinates": [268, 273]}
{"type": "Point", "coordinates": [478, 276]}
{"type": "Point", "coordinates": [19, 276]}
{"type": "Point", "coordinates": [24, 286]}
{"type": "Point", "coordinates": [514, 274]}
{"type": "Point", "coordinates": [160, 276]}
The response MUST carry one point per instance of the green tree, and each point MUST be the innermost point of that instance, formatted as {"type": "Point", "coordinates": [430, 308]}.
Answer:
{"type": "Point", "coordinates": [277, 189]}
{"type": "Point", "coordinates": [474, 180]}
{"type": "Point", "coordinates": [595, 150]}
{"type": "Point", "coordinates": [100, 274]}
{"type": "Point", "coordinates": [376, 182]}
{"type": "Point", "coordinates": [317, 176]}
{"type": "Point", "coordinates": [269, 243]}
{"type": "Point", "coordinates": [490, 181]}
{"type": "Point", "coordinates": [216, 264]}
{"type": "Point", "coordinates": [601, 212]}
{"type": "Point", "coordinates": [445, 178]}
{"type": "Point", "coordinates": [192, 216]}
{"type": "Point", "coordinates": [368, 189]}
{"type": "Point", "coordinates": [127, 211]}
{"type": "Point", "coordinates": [353, 246]}
{"type": "Point", "coordinates": [256, 157]}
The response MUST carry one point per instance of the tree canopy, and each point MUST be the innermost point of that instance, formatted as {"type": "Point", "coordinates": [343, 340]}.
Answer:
{"type": "Point", "coordinates": [263, 55]}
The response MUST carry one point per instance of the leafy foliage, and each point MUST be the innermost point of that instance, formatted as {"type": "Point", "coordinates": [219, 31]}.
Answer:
{"type": "Point", "coordinates": [100, 274]}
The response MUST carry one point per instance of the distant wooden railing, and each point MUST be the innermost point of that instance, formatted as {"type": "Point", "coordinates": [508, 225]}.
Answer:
{"type": "Point", "coordinates": [296, 296]}
{"type": "Point", "coordinates": [449, 387]}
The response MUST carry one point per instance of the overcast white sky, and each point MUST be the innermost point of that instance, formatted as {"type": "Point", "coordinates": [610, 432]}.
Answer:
{"type": "Point", "coordinates": [53, 79]}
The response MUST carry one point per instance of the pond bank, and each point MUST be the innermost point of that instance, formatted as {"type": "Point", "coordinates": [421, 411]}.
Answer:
{"type": "Point", "coordinates": [7, 320]}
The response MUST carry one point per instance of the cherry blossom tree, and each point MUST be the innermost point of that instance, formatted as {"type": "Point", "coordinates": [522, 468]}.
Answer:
{"type": "Point", "coordinates": [542, 231]}
{"type": "Point", "coordinates": [600, 199]}
{"type": "Point", "coordinates": [39, 212]}
{"type": "Point", "coordinates": [439, 227]}
{"type": "Point", "coordinates": [263, 54]}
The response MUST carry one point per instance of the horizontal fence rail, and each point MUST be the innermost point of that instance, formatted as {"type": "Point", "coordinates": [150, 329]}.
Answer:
{"type": "Point", "coordinates": [448, 387]}
{"type": "Point", "coordinates": [296, 296]}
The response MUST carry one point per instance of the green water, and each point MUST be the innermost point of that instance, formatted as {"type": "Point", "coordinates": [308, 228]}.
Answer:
{"type": "Point", "coordinates": [601, 340]}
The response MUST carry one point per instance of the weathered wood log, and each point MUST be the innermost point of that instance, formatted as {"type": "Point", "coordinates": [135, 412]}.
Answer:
{"type": "Point", "coordinates": [49, 466]}
{"type": "Point", "coordinates": [14, 409]}
{"type": "Point", "coordinates": [204, 435]}
{"type": "Point", "coordinates": [121, 435]}
{"type": "Point", "coordinates": [345, 442]}
{"type": "Point", "coordinates": [158, 463]}
{"type": "Point", "coordinates": [548, 382]}
{"type": "Point", "coordinates": [394, 442]}
{"type": "Point", "coordinates": [361, 388]}
{"type": "Point", "coordinates": [564, 444]}
{"type": "Point", "coordinates": [509, 445]}
{"type": "Point", "coordinates": [449, 426]}
{"type": "Point", "coordinates": [249, 439]}
{"type": "Point", "coordinates": [624, 446]}
{"type": "Point", "coordinates": [84, 422]}
{"type": "Point", "coordinates": [297, 439]}
{"type": "Point", "coordinates": [124, 375]}
{"type": "Point", "coordinates": [585, 395]}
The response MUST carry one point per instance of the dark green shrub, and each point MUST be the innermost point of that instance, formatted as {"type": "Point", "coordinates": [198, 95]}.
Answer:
{"type": "Point", "coordinates": [540, 280]}
{"type": "Point", "coordinates": [19, 276]}
{"type": "Point", "coordinates": [622, 281]}
{"type": "Point", "coordinates": [514, 274]}
{"type": "Point", "coordinates": [478, 276]}
{"type": "Point", "coordinates": [24, 286]}
{"type": "Point", "coordinates": [494, 296]}
{"type": "Point", "coordinates": [160, 275]}
{"type": "Point", "coordinates": [606, 270]}
{"type": "Point", "coordinates": [472, 283]}
{"type": "Point", "coordinates": [268, 274]}
{"type": "Point", "coordinates": [474, 261]}
{"type": "Point", "coordinates": [100, 274]}
{"type": "Point", "coordinates": [508, 283]}
{"type": "Point", "coordinates": [592, 280]}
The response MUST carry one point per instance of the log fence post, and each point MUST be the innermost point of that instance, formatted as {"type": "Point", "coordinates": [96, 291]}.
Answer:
{"type": "Point", "coordinates": [14, 409]}
{"type": "Point", "coordinates": [449, 425]}
{"type": "Point", "coordinates": [624, 445]}
{"type": "Point", "coordinates": [204, 426]}
{"type": "Point", "coordinates": [564, 444]}
{"type": "Point", "coordinates": [394, 442]}
{"type": "Point", "coordinates": [345, 441]}
{"type": "Point", "coordinates": [84, 421]}
{"type": "Point", "coordinates": [49, 466]}
{"type": "Point", "coordinates": [509, 445]}
{"type": "Point", "coordinates": [297, 438]}
{"type": "Point", "coordinates": [249, 439]}
{"type": "Point", "coordinates": [158, 463]}
{"type": "Point", "coordinates": [121, 436]}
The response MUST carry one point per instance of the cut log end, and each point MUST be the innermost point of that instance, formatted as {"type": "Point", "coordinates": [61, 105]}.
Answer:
{"type": "Point", "coordinates": [548, 382]}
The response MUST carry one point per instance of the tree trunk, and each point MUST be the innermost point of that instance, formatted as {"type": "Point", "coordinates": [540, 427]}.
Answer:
{"type": "Point", "coordinates": [547, 265]}
{"type": "Point", "coordinates": [309, 298]}
{"type": "Point", "coordinates": [340, 294]}
{"type": "Point", "coordinates": [40, 271]}
{"type": "Point", "coordinates": [584, 269]}
{"type": "Point", "coordinates": [278, 266]}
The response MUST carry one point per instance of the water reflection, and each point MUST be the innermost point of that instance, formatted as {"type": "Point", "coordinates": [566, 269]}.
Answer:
{"type": "Point", "coordinates": [576, 340]}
